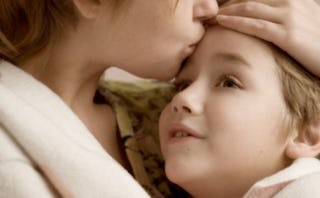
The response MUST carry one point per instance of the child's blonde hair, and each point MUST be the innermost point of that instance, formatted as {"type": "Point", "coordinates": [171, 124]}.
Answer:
{"type": "Point", "coordinates": [301, 91]}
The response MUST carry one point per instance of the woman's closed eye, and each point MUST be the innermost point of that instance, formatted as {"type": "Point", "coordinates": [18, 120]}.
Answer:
{"type": "Point", "coordinates": [181, 85]}
{"type": "Point", "coordinates": [229, 81]}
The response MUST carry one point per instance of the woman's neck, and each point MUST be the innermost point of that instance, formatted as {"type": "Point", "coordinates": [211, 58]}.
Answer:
{"type": "Point", "coordinates": [69, 68]}
{"type": "Point", "coordinates": [76, 83]}
{"type": "Point", "coordinates": [71, 75]}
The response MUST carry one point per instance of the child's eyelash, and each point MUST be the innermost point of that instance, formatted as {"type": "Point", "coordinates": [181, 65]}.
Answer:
{"type": "Point", "coordinates": [228, 81]}
{"type": "Point", "coordinates": [224, 81]}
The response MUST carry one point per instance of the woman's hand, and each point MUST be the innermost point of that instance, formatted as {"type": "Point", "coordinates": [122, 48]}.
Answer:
{"type": "Point", "coordinates": [293, 25]}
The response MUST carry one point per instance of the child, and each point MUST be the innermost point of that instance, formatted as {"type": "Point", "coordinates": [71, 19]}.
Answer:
{"type": "Point", "coordinates": [244, 123]}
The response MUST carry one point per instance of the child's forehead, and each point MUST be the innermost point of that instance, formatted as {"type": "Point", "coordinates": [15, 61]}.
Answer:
{"type": "Point", "coordinates": [222, 46]}
{"type": "Point", "coordinates": [217, 32]}
{"type": "Point", "coordinates": [221, 40]}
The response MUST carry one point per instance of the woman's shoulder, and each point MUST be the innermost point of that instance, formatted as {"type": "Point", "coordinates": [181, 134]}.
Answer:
{"type": "Point", "coordinates": [19, 175]}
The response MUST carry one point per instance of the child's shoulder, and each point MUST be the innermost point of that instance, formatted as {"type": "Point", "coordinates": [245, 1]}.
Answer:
{"type": "Point", "coordinates": [306, 186]}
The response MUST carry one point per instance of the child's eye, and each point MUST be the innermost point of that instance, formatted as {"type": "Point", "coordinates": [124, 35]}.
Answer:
{"type": "Point", "coordinates": [228, 81]}
{"type": "Point", "coordinates": [181, 85]}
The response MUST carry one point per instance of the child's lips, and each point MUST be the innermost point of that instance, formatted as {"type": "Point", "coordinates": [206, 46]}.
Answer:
{"type": "Point", "coordinates": [181, 131]}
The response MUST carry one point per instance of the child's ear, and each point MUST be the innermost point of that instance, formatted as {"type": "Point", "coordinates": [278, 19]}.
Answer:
{"type": "Point", "coordinates": [87, 8]}
{"type": "Point", "coordinates": [305, 143]}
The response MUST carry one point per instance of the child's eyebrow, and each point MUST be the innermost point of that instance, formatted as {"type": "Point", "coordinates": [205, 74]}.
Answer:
{"type": "Point", "coordinates": [231, 57]}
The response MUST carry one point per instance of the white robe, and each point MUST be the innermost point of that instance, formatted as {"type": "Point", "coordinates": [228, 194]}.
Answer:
{"type": "Point", "coordinates": [46, 151]}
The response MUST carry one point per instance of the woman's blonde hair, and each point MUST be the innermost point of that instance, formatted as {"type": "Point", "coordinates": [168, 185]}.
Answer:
{"type": "Point", "coordinates": [301, 91]}
{"type": "Point", "coordinates": [26, 27]}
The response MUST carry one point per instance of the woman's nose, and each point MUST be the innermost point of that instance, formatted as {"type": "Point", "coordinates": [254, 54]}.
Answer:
{"type": "Point", "coordinates": [186, 102]}
{"type": "Point", "coordinates": [205, 9]}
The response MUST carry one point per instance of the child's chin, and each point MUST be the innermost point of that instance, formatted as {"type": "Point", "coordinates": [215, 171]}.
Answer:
{"type": "Point", "coordinates": [178, 173]}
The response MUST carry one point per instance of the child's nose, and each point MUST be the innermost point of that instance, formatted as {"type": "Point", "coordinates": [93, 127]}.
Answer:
{"type": "Point", "coordinates": [205, 9]}
{"type": "Point", "coordinates": [182, 108]}
{"type": "Point", "coordinates": [186, 102]}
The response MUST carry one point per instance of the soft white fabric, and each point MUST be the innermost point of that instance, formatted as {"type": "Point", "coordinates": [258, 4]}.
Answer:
{"type": "Point", "coordinates": [300, 180]}
{"type": "Point", "coordinates": [46, 151]}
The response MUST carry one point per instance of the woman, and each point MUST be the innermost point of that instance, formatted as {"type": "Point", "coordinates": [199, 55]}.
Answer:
{"type": "Point", "coordinates": [54, 138]}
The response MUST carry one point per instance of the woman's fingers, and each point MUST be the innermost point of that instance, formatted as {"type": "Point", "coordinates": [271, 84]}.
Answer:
{"type": "Point", "coordinates": [253, 9]}
{"type": "Point", "coordinates": [293, 25]}
{"type": "Point", "coordinates": [256, 27]}
{"type": "Point", "coordinates": [268, 2]}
